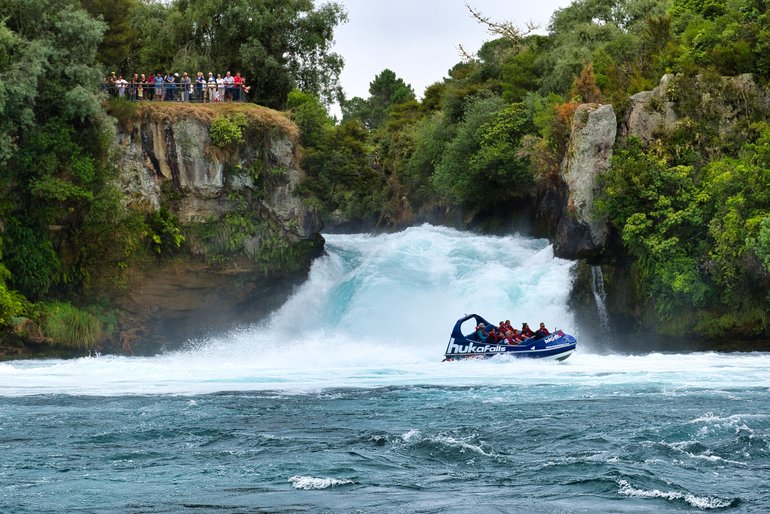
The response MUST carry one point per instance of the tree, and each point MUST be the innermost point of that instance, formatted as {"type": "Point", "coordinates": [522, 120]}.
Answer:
{"type": "Point", "coordinates": [339, 176]}
{"type": "Point", "coordinates": [385, 91]}
{"type": "Point", "coordinates": [584, 86]}
{"type": "Point", "coordinates": [311, 117]}
{"type": "Point", "coordinates": [277, 45]}
{"type": "Point", "coordinates": [481, 164]}
{"type": "Point", "coordinates": [56, 187]}
{"type": "Point", "coordinates": [114, 50]}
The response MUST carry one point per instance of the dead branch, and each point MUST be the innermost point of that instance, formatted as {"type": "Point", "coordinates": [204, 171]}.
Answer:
{"type": "Point", "coordinates": [466, 57]}
{"type": "Point", "coordinates": [505, 29]}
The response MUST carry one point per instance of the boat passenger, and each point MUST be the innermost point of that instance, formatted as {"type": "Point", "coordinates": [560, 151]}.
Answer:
{"type": "Point", "coordinates": [516, 335]}
{"type": "Point", "coordinates": [481, 334]}
{"type": "Point", "coordinates": [502, 329]}
{"type": "Point", "coordinates": [542, 331]}
{"type": "Point", "coordinates": [508, 325]}
{"type": "Point", "coordinates": [526, 331]}
{"type": "Point", "coordinates": [493, 337]}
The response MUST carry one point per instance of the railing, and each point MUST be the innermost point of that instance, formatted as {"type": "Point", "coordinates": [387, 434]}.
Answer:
{"type": "Point", "coordinates": [177, 91]}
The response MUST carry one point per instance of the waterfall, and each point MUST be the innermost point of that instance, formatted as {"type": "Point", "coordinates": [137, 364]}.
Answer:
{"type": "Point", "coordinates": [600, 296]}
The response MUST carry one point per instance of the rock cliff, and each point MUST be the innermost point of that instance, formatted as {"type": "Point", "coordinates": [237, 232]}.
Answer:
{"type": "Point", "coordinates": [244, 228]}
{"type": "Point", "coordinates": [580, 233]}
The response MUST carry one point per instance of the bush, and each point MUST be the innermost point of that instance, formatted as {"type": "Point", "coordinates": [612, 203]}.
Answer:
{"type": "Point", "coordinates": [163, 232]}
{"type": "Point", "coordinates": [226, 130]}
{"type": "Point", "coordinates": [12, 303]}
{"type": "Point", "coordinates": [70, 326]}
{"type": "Point", "coordinates": [121, 109]}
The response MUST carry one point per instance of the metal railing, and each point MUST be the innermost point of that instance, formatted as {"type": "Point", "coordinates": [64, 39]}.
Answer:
{"type": "Point", "coordinates": [201, 92]}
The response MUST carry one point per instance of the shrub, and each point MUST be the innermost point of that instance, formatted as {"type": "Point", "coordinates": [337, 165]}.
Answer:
{"type": "Point", "coordinates": [226, 130]}
{"type": "Point", "coordinates": [70, 326]}
{"type": "Point", "coordinates": [12, 303]}
{"type": "Point", "coordinates": [163, 232]}
{"type": "Point", "coordinates": [121, 109]}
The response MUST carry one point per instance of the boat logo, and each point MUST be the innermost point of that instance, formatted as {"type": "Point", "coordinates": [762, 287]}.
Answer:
{"type": "Point", "coordinates": [455, 348]}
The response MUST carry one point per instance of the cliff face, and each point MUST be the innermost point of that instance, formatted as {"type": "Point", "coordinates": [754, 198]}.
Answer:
{"type": "Point", "coordinates": [708, 117]}
{"type": "Point", "coordinates": [246, 234]}
{"type": "Point", "coordinates": [580, 233]}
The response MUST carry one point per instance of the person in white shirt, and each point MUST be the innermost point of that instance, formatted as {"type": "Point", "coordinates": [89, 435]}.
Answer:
{"type": "Point", "coordinates": [228, 80]}
{"type": "Point", "coordinates": [122, 85]}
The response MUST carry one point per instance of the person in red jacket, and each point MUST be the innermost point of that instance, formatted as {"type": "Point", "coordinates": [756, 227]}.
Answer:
{"type": "Point", "coordinates": [237, 85]}
{"type": "Point", "coordinates": [526, 331]}
{"type": "Point", "coordinates": [542, 331]}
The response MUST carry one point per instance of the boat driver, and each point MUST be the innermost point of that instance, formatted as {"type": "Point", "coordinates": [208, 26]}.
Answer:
{"type": "Point", "coordinates": [481, 333]}
{"type": "Point", "coordinates": [542, 331]}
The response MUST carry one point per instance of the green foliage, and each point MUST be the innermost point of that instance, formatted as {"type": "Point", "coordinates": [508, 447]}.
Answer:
{"type": "Point", "coordinates": [120, 36]}
{"type": "Point", "coordinates": [431, 135]}
{"type": "Point", "coordinates": [163, 232]}
{"type": "Point", "coordinates": [31, 258]}
{"type": "Point", "coordinates": [730, 37]}
{"type": "Point", "coordinates": [310, 115]}
{"type": "Point", "coordinates": [12, 303]}
{"type": "Point", "coordinates": [339, 175]}
{"type": "Point", "coordinates": [761, 244]}
{"type": "Point", "coordinates": [660, 213]}
{"type": "Point", "coordinates": [228, 130]}
{"type": "Point", "coordinates": [481, 165]}
{"type": "Point", "coordinates": [498, 154]}
{"type": "Point", "coordinates": [700, 238]}
{"type": "Point", "coordinates": [386, 91]}
{"type": "Point", "coordinates": [70, 326]}
{"type": "Point", "coordinates": [277, 45]}
{"type": "Point", "coordinates": [520, 73]}
{"type": "Point", "coordinates": [122, 110]}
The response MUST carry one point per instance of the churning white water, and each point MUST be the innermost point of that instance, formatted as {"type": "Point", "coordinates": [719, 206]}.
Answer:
{"type": "Point", "coordinates": [377, 311]}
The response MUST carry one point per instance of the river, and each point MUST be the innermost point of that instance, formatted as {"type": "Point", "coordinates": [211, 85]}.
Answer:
{"type": "Point", "coordinates": [339, 402]}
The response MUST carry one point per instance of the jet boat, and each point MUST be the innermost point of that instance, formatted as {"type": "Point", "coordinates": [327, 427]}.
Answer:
{"type": "Point", "coordinates": [557, 345]}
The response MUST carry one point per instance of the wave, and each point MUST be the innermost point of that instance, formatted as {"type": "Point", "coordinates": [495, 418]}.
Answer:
{"type": "Point", "coordinates": [315, 483]}
{"type": "Point", "coordinates": [700, 502]}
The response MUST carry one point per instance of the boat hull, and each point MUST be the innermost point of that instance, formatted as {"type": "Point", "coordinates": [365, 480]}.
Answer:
{"type": "Point", "coordinates": [556, 352]}
{"type": "Point", "coordinates": [557, 346]}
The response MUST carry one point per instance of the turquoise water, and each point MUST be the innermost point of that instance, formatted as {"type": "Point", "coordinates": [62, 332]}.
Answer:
{"type": "Point", "coordinates": [339, 403]}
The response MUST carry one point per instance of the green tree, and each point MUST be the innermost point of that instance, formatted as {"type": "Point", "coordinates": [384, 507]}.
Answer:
{"type": "Point", "coordinates": [277, 45]}
{"type": "Point", "coordinates": [481, 165]}
{"type": "Point", "coordinates": [310, 115]}
{"type": "Point", "coordinates": [385, 91]}
{"type": "Point", "coordinates": [339, 176]}
{"type": "Point", "coordinates": [114, 51]}
{"type": "Point", "coordinates": [660, 214]}
{"type": "Point", "coordinates": [57, 196]}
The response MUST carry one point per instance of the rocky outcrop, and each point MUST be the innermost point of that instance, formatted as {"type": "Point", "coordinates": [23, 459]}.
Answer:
{"type": "Point", "coordinates": [678, 102]}
{"type": "Point", "coordinates": [171, 161]}
{"type": "Point", "coordinates": [246, 233]}
{"type": "Point", "coordinates": [580, 233]}
{"type": "Point", "coordinates": [650, 112]}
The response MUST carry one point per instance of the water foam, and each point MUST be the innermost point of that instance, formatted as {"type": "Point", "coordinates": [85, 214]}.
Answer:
{"type": "Point", "coordinates": [700, 502]}
{"type": "Point", "coordinates": [316, 483]}
{"type": "Point", "coordinates": [377, 311]}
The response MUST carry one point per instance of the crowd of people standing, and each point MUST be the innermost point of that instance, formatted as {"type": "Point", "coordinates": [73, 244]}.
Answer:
{"type": "Point", "coordinates": [172, 87]}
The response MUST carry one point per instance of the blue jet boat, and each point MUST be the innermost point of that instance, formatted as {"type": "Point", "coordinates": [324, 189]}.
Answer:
{"type": "Point", "coordinates": [557, 346]}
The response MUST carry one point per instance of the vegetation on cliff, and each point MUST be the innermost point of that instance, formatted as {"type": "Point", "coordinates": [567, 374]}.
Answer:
{"type": "Point", "coordinates": [64, 222]}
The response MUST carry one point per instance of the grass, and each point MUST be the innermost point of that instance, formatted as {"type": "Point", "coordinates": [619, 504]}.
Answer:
{"type": "Point", "coordinates": [67, 325]}
{"type": "Point", "coordinates": [258, 116]}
